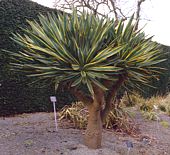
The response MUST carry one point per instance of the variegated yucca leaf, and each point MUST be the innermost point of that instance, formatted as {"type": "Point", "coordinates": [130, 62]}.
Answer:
{"type": "Point", "coordinates": [85, 49]}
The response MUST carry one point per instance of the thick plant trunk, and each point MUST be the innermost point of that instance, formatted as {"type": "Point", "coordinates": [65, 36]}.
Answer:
{"type": "Point", "coordinates": [93, 134]}
{"type": "Point", "coordinates": [98, 107]}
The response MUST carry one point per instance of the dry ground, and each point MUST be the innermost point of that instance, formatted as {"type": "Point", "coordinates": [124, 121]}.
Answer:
{"type": "Point", "coordinates": [34, 134]}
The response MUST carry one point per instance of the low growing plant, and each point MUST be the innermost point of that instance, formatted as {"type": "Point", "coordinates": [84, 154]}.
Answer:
{"type": "Point", "coordinates": [132, 99]}
{"type": "Point", "coordinates": [118, 118]}
{"type": "Point", "coordinates": [76, 113]}
{"type": "Point", "coordinates": [165, 124]}
{"type": "Point", "coordinates": [149, 103]}
{"type": "Point", "coordinates": [151, 115]}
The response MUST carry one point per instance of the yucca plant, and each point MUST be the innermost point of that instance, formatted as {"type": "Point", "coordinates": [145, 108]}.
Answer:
{"type": "Point", "coordinates": [91, 56]}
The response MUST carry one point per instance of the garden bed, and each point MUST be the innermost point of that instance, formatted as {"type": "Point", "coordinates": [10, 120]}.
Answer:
{"type": "Point", "coordinates": [34, 134]}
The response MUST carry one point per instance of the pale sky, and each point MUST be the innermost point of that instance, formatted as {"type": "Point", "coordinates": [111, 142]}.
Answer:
{"type": "Point", "coordinates": [158, 11]}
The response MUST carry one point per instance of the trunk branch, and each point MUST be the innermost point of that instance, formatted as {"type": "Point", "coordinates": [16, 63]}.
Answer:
{"type": "Point", "coordinates": [98, 97]}
{"type": "Point", "coordinates": [110, 96]}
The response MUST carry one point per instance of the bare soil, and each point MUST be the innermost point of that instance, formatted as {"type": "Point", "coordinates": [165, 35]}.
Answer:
{"type": "Point", "coordinates": [34, 134]}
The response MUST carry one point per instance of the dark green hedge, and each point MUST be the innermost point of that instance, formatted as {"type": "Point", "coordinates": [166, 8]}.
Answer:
{"type": "Point", "coordinates": [16, 96]}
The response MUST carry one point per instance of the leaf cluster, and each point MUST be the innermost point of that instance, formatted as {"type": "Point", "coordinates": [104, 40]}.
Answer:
{"type": "Point", "coordinates": [85, 50]}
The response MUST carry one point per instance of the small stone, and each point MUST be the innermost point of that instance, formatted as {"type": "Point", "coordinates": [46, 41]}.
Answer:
{"type": "Point", "coordinates": [72, 147]}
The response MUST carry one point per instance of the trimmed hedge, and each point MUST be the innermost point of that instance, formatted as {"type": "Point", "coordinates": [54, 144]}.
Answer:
{"type": "Point", "coordinates": [16, 96]}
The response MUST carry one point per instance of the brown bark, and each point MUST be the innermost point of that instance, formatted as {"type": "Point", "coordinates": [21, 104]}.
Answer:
{"type": "Point", "coordinates": [110, 96]}
{"type": "Point", "coordinates": [93, 134]}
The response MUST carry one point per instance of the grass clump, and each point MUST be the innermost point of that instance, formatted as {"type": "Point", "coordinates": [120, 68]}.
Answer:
{"type": "Point", "coordinates": [151, 115]}
{"type": "Point", "coordinates": [147, 106]}
{"type": "Point", "coordinates": [150, 103]}
{"type": "Point", "coordinates": [132, 99]}
{"type": "Point", "coordinates": [118, 118]}
{"type": "Point", "coordinates": [135, 99]}
{"type": "Point", "coordinates": [76, 113]}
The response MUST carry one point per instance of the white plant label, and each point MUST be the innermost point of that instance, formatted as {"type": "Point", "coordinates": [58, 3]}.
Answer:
{"type": "Point", "coordinates": [54, 100]}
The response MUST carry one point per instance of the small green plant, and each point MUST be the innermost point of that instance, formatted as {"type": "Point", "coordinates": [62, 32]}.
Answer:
{"type": "Point", "coordinates": [165, 124]}
{"type": "Point", "coordinates": [150, 115]}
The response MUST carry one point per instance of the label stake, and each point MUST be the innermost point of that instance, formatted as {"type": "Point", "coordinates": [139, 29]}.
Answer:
{"type": "Point", "coordinates": [54, 100]}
